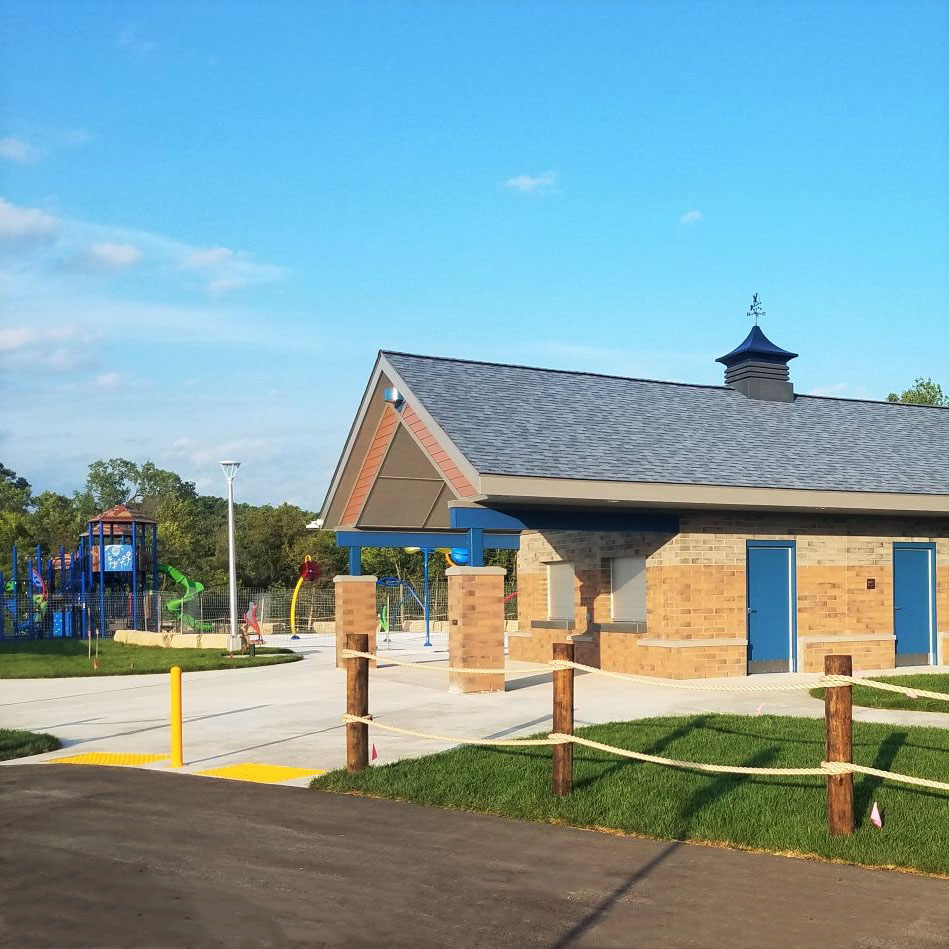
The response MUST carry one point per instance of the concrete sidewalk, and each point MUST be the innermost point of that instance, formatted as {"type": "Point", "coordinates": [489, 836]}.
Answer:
{"type": "Point", "coordinates": [109, 857]}
{"type": "Point", "coordinates": [290, 714]}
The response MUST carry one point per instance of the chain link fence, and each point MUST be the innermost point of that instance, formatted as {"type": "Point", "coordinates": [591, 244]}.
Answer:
{"type": "Point", "coordinates": [400, 611]}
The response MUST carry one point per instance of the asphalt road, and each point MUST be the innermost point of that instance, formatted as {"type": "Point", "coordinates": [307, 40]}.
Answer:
{"type": "Point", "coordinates": [94, 856]}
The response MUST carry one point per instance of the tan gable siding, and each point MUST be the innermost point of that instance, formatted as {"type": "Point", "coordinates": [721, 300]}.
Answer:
{"type": "Point", "coordinates": [385, 432]}
{"type": "Point", "coordinates": [461, 485]}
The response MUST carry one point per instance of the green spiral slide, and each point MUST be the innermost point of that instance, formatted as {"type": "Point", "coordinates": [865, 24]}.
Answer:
{"type": "Point", "coordinates": [192, 589]}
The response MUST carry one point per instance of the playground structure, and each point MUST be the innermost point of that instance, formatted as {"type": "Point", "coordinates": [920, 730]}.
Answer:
{"type": "Point", "coordinates": [109, 581]}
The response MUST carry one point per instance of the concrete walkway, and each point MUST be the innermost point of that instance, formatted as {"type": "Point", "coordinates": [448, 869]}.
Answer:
{"type": "Point", "coordinates": [109, 857]}
{"type": "Point", "coordinates": [290, 714]}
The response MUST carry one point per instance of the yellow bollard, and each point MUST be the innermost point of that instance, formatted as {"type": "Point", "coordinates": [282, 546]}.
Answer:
{"type": "Point", "coordinates": [176, 758]}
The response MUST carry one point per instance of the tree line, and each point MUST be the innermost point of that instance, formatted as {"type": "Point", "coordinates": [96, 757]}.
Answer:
{"type": "Point", "coordinates": [271, 540]}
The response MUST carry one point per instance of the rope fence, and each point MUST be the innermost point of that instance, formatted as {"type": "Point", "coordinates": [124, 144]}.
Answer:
{"type": "Point", "coordinates": [838, 680]}
{"type": "Point", "coordinates": [697, 685]}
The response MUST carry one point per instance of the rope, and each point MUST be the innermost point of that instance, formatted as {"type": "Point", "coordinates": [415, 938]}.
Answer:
{"type": "Point", "coordinates": [429, 667]}
{"type": "Point", "coordinates": [559, 738]}
{"type": "Point", "coordinates": [455, 739]}
{"type": "Point", "coordinates": [690, 765]}
{"type": "Point", "coordinates": [696, 685]}
{"type": "Point", "coordinates": [838, 680]}
{"type": "Point", "coordinates": [844, 767]}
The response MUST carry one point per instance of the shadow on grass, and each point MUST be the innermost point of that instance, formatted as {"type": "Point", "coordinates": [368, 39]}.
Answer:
{"type": "Point", "coordinates": [717, 788]}
{"type": "Point", "coordinates": [865, 790]}
{"type": "Point", "coordinates": [656, 748]}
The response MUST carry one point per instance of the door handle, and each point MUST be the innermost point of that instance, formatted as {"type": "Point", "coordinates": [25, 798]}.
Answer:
{"type": "Point", "coordinates": [750, 610]}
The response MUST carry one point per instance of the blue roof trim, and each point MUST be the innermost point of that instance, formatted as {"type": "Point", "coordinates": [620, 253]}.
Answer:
{"type": "Point", "coordinates": [757, 345]}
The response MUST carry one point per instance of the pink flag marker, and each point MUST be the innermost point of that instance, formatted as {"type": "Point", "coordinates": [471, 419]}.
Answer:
{"type": "Point", "coordinates": [759, 708]}
{"type": "Point", "coordinates": [875, 817]}
{"type": "Point", "coordinates": [374, 754]}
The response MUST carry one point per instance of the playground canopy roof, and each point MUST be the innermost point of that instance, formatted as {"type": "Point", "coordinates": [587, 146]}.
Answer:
{"type": "Point", "coordinates": [122, 515]}
{"type": "Point", "coordinates": [434, 436]}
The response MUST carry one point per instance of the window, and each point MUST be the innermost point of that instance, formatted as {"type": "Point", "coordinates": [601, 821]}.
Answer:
{"type": "Point", "coordinates": [560, 591]}
{"type": "Point", "coordinates": [628, 584]}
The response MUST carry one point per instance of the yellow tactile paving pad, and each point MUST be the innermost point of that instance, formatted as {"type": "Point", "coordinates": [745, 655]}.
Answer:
{"type": "Point", "coordinates": [261, 773]}
{"type": "Point", "coordinates": [109, 758]}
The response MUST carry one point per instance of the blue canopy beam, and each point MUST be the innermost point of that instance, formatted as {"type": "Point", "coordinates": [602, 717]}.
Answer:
{"type": "Point", "coordinates": [525, 518]}
{"type": "Point", "coordinates": [423, 539]}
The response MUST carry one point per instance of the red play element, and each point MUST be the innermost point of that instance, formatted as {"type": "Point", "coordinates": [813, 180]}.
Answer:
{"type": "Point", "coordinates": [310, 570]}
{"type": "Point", "coordinates": [253, 626]}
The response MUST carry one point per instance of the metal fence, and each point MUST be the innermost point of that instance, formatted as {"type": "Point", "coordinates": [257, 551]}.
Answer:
{"type": "Point", "coordinates": [400, 609]}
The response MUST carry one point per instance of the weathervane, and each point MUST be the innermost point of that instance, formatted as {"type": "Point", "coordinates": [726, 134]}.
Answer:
{"type": "Point", "coordinates": [756, 310]}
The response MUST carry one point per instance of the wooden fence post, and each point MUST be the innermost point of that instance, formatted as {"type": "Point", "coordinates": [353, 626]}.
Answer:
{"type": "Point", "coordinates": [357, 703]}
{"type": "Point", "coordinates": [838, 718]}
{"type": "Point", "coordinates": [563, 721]}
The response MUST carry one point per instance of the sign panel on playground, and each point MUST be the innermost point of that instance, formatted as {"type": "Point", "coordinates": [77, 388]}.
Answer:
{"type": "Point", "coordinates": [118, 557]}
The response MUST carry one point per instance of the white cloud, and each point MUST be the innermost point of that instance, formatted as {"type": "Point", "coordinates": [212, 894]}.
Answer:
{"type": "Point", "coordinates": [209, 257]}
{"type": "Point", "coordinates": [533, 184]}
{"type": "Point", "coordinates": [130, 39]}
{"type": "Point", "coordinates": [835, 389]}
{"type": "Point", "coordinates": [112, 256]}
{"type": "Point", "coordinates": [691, 217]}
{"type": "Point", "coordinates": [217, 287]}
{"type": "Point", "coordinates": [24, 224]}
{"type": "Point", "coordinates": [108, 380]}
{"type": "Point", "coordinates": [16, 338]}
{"type": "Point", "coordinates": [58, 348]}
{"type": "Point", "coordinates": [16, 149]}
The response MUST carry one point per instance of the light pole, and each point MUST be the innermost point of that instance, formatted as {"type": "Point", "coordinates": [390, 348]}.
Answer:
{"type": "Point", "coordinates": [230, 469]}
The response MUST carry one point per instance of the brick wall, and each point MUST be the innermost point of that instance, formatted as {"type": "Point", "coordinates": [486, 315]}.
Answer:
{"type": "Point", "coordinates": [355, 610]}
{"type": "Point", "coordinates": [695, 590]}
{"type": "Point", "coordinates": [476, 626]}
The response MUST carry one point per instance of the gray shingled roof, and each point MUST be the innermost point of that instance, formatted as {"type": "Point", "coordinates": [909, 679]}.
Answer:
{"type": "Point", "coordinates": [515, 420]}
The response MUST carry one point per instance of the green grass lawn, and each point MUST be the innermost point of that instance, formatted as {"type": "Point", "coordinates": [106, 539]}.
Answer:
{"type": "Point", "coordinates": [877, 698]}
{"type": "Point", "coordinates": [58, 658]}
{"type": "Point", "coordinates": [766, 813]}
{"type": "Point", "coordinates": [17, 744]}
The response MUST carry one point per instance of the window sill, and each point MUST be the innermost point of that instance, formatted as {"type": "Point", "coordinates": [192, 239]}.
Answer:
{"type": "Point", "coordinates": [626, 626]}
{"type": "Point", "coordinates": [553, 624]}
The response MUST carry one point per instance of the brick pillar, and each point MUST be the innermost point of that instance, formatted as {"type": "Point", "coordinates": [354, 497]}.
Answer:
{"type": "Point", "coordinates": [355, 610]}
{"type": "Point", "coordinates": [476, 626]}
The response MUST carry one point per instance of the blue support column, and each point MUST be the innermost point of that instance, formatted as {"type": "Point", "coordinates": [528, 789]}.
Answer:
{"type": "Point", "coordinates": [355, 561]}
{"type": "Point", "coordinates": [156, 605]}
{"type": "Point", "coordinates": [3, 605]}
{"type": "Point", "coordinates": [476, 547]}
{"type": "Point", "coordinates": [101, 580]}
{"type": "Point", "coordinates": [428, 638]}
{"type": "Point", "coordinates": [16, 605]}
{"type": "Point", "coordinates": [134, 577]}
{"type": "Point", "coordinates": [83, 588]}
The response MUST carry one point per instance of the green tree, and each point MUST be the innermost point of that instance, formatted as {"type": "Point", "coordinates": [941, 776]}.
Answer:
{"type": "Point", "coordinates": [16, 502]}
{"type": "Point", "coordinates": [923, 392]}
{"type": "Point", "coordinates": [54, 522]}
{"type": "Point", "coordinates": [16, 495]}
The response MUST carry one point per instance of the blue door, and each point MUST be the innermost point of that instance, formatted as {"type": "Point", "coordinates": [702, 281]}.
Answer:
{"type": "Point", "coordinates": [771, 606]}
{"type": "Point", "coordinates": [914, 602]}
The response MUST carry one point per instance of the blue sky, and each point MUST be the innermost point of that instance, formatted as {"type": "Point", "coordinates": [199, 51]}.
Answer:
{"type": "Point", "coordinates": [214, 214]}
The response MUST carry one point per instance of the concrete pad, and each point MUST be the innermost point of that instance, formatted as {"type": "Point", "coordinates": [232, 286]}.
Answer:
{"type": "Point", "coordinates": [289, 714]}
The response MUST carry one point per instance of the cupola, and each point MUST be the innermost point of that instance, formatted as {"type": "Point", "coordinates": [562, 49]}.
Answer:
{"type": "Point", "coordinates": [756, 367]}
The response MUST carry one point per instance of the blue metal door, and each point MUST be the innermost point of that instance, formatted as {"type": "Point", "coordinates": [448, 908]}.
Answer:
{"type": "Point", "coordinates": [913, 602]}
{"type": "Point", "coordinates": [771, 607]}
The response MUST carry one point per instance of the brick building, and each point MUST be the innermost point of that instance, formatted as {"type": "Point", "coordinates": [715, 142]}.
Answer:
{"type": "Point", "coordinates": [670, 529]}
